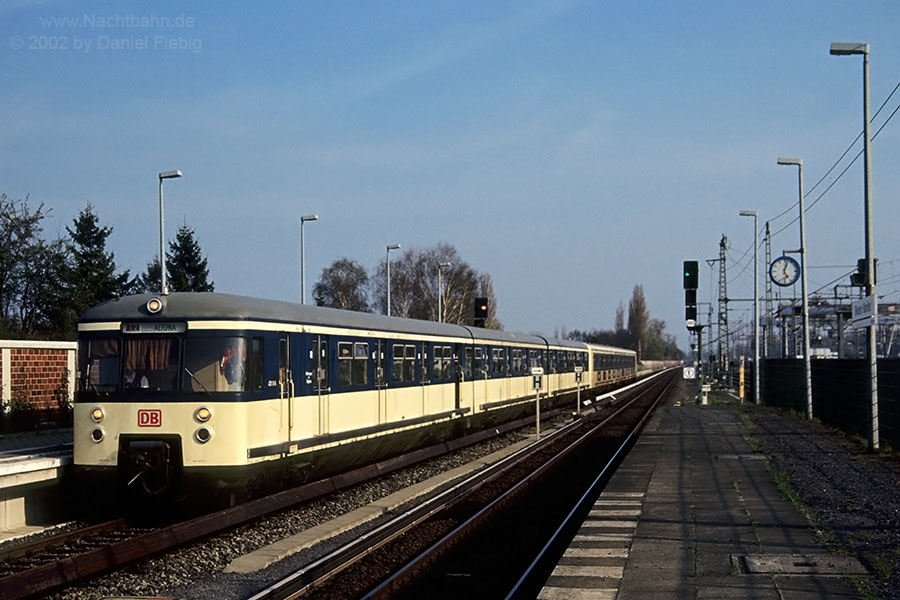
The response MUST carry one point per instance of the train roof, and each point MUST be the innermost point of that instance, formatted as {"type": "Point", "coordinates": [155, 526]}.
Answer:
{"type": "Point", "coordinates": [184, 306]}
{"type": "Point", "coordinates": [611, 349]}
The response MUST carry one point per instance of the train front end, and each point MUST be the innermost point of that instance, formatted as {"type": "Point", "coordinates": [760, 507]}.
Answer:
{"type": "Point", "coordinates": [158, 411]}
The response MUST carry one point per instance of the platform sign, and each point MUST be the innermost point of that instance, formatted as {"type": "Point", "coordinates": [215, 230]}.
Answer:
{"type": "Point", "coordinates": [864, 312]}
{"type": "Point", "coordinates": [537, 382]}
{"type": "Point", "coordinates": [689, 373]}
{"type": "Point", "coordinates": [578, 372]}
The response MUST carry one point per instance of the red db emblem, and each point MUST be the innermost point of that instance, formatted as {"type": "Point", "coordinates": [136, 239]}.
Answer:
{"type": "Point", "coordinates": [150, 418]}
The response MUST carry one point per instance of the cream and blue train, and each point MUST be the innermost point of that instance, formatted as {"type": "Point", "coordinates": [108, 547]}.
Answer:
{"type": "Point", "coordinates": [189, 393]}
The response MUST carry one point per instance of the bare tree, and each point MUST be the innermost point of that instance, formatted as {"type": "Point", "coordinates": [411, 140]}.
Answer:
{"type": "Point", "coordinates": [638, 320]}
{"type": "Point", "coordinates": [414, 286]}
{"type": "Point", "coordinates": [344, 284]}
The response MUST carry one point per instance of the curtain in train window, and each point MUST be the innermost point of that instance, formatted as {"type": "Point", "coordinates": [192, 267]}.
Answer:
{"type": "Point", "coordinates": [98, 361]}
{"type": "Point", "coordinates": [151, 363]}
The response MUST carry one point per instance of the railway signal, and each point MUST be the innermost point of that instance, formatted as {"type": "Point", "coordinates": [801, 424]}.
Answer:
{"type": "Point", "coordinates": [481, 311]}
{"type": "Point", "coordinates": [691, 274]}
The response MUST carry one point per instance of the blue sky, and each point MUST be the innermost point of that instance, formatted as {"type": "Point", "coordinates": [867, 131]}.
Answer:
{"type": "Point", "coordinates": [570, 149]}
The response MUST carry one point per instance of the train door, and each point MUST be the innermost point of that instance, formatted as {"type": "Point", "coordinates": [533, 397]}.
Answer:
{"type": "Point", "coordinates": [321, 380]}
{"type": "Point", "coordinates": [381, 379]}
{"type": "Point", "coordinates": [425, 376]}
{"type": "Point", "coordinates": [286, 383]}
{"type": "Point", "coordinates": [457, 375]}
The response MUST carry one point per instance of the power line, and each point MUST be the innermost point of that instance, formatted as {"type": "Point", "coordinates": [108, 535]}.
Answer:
{"type": "Point", "coordinates": [837, 162]}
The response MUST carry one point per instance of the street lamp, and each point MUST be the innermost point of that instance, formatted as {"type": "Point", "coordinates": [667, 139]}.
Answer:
{"type": "Point", "coordinates": [387, 263]}
{"type": "Point", "coordinates": [797, 162]}
{"type": "Point", "coordinates": [845, 49]}
{"type": "Point", "coordinates": [441, 266]}
{"type": "Point", "coordinates": [756, 366]}
{"type": "Point", "coordinates": [303, 220]}
{"type": "Point", "coordinates": [163, 288]}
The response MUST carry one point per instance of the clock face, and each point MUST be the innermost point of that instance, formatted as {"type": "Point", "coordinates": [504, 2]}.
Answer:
{"type": "Point", "coordinates": [784, 271]}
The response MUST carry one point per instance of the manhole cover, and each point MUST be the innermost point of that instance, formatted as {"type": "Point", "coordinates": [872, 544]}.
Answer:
{"type": "Point", "coordinates": [794, 564]}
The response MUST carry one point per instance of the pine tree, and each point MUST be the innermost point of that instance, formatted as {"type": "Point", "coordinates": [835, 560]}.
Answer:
{"type": "Point", "coordinates": [185, 266]}
{"type": "Point", "coordinates": [149, 281]}
{"type": "Point", "coordinates": [92, 278]}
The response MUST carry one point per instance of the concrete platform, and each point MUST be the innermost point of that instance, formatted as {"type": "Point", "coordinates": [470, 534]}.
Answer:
{"type": "Point", "coordinates": [31, 465]}
{"type": "Point", "coordinates": [694, 513]}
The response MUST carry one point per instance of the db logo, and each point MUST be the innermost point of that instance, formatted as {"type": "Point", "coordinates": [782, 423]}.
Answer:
{"type": "Point", "coordinates": [150, 418]}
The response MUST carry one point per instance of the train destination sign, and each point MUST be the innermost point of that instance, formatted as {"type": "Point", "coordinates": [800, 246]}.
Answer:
{"type": "Point", "coordinates": [154, 327]}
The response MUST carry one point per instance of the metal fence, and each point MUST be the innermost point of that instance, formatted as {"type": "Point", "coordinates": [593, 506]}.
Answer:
{"type": "Point", "coordinates": [840, 393]}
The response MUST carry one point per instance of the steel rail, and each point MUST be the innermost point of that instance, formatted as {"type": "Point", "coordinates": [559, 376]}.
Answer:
{"type": "Point", "coordinates": [395, 581]}
{"type": "Point", "coordinates": [324, 569]}
{"type": "Point", "coordinates": [587, 497]}
{"type": "Point", "coordinates": [329, 566]}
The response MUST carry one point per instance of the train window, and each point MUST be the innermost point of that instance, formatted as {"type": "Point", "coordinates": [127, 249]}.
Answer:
{"type": "Point", "coordinates": [360, 363]}
{"type": "Point", "coordinates": [468, 363]}
{"type": "Point", "coordinates": [442, 357]}
{"type": "Point", "coordinates": [404, 362]}
{"type": "Point", "coordinates": [345, 363]}
{"type": "Point", "coordinates": [409, 363]}
{"type": "Point", "coordinates": [397, 370]}
{"type": "Point", "coordinates": [479, 362]}
{"type": "Point", "coordinates": [151, 363]}
{"type": "Point", "coordinates": [98, 361]}
{"type": "Point", "coordinates": [320, 347]}
{"type": "Point", "coordinates": [353, 363]}
{"type": "Point", "coordinates": [448, 361]}
{"type": "Point", "coordinates": [222, 364]}
{"type": "Point", "coordinates": [498, 356]}
{"type": "Point", "coordinates": [255, 380]}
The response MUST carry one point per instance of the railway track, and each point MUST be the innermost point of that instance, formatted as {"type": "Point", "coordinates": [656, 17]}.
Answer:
{"type": "Point", "coordinates": [72, 557]}
{"type": "Point", "coordinates": [457, 543]}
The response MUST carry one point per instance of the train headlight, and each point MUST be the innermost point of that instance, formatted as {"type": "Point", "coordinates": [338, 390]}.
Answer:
{"type": "Point", "coordinates": [154, 305]}
{"type": "Point", "coordinates": [97, 414]}
{"type": "Point", "coordinates": [203, 435]}
{"type": "Point", "coordinates": [203, 414]}
{"type": "Point", "coordinates": [97, 435]}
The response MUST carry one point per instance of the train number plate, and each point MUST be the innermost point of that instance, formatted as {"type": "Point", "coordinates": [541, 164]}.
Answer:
{"type": "Point", "coordinates": [149, 418]}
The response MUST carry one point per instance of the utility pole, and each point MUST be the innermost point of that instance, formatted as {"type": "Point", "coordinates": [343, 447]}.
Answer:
{"type": "Point", "coordinates": [724, 346]}
{"type": "Point", "coordinates": [770, 315]}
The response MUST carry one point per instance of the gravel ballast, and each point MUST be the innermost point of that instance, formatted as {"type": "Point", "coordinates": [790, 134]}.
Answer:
{"type": "Point", "coordinates": [851, 496]}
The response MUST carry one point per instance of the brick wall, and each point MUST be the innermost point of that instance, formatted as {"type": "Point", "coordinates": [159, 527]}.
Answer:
{"type": "Point", "coordinates": [38, 374]}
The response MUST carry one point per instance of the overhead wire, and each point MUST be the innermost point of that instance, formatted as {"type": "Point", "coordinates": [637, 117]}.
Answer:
{"type": "Point", "coordinates": [836, 163]}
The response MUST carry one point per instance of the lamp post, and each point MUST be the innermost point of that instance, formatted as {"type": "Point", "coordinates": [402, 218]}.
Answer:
{"type": "Point", "coordinates": [163, 287]}
{"type": "Point", "coordinates": [845, 49]}
{"type": "Point", "coordinates": [756, 366]}
{"type": "Point", "coordinates": [303, 220]}
{"type": "Point", "coordinates": [441, 266]}
{"type": "Point", "coordinates": [387, 264]}
{"type": "Point", "coordinates": [797, 162]}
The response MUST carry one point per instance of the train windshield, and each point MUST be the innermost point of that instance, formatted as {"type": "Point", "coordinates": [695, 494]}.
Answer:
{"type": "Point", "coordinates": [221, 364]}
{"type": "Point", "coordinates": [135, 363]}
{"type": "Point", "coordinates": [151, 363]}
